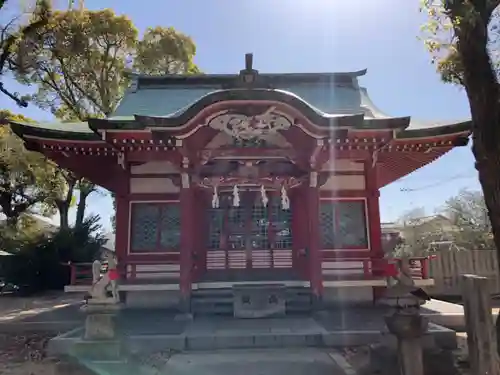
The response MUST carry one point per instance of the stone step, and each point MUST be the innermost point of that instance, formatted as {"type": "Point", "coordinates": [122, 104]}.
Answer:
{"type": "Point", "coordinates": [220, 301]}
{"type": "Point", "coordinates": [102, 350]}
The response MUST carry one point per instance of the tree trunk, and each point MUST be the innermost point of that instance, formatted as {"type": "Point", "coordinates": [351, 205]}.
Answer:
{"type": "Point", "coordinates": [63, 216]}
{"type": "Point", "coordinates": [80, 209]}
{"type": "Point", "coordinates": [86, 188]}
{"type": "Point", "coordinates": [63, 205]}
{"type": "Point", "coordinates": [482, 88]}
{"type": "Point", "coordinates": [490, 183]}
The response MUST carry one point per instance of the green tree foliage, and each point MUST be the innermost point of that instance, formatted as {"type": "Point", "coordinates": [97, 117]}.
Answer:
{"type": "Point", "coordinates": [462, 223]}
{"type": "Point", "coordinates": [79, 63]}
{"type": "Point", "coordinates": [165, 51]}
{"type": "Point", "coordinates": [42, 264]}
{"type": "Point", "coordinates": [467, 211]}
{"type": "Point", "coordinates": [26, 178]}
{"type": "Point", "coordinates": [8, 40]}
{"type": "Point", "coordinates": [418, 232]}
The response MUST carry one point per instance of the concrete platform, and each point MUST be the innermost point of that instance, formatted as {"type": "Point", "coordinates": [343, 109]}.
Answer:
{"type": "Point", "coordinates": [152, 331]}
{"type": "Point", "coordinates": [447, 314]}
{"type": "Point", "coordinates": [231, 362]}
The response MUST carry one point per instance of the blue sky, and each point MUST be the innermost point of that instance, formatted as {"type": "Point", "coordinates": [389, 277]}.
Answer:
{"type": "Point", "coordinates": [321, 36]}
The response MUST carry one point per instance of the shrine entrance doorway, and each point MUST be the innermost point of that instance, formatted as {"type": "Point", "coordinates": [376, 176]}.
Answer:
{"type": "Point", "coordinates": [250, 238]}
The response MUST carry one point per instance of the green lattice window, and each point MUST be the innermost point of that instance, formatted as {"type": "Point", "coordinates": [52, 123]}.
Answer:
{"type": "Point", "coordinates": [327, 224]}
{"type": "Point", "coordinates": [343, 224]}
{"type": "Point", "coordinates": [155, 227]}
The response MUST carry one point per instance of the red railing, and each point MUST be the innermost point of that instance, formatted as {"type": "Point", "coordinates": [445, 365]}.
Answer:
{"type": "Point", "coordinates": [81, 273]}
{"type": "Point", "coordinates": [370, 268]}
{"type": "Point", "coordinates": [419, 267]}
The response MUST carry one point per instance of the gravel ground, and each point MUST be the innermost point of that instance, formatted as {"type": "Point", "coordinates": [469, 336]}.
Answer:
{"type": "Point", "coordinates": [24, 354]}
{"type": "Point", "coordinates": [359, 357]}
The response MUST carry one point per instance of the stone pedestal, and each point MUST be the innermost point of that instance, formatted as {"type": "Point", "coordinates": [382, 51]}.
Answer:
{"type": "Point", "coordinates": [100, 327]}
{"type": "Point", "coordinates": [408, 329]}
{"type": "Point", "coordinates": [100, 323]}
{"type": "Point", "coordinates": [100, 339]}
{"type": "Point", "coordinates": [259, 301]}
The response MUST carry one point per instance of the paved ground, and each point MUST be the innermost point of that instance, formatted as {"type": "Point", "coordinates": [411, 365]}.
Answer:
{"type": "Point", "coordinates": [14, 309]}
{"type": "Point", "coordinates": [254, 362]}
{"type": "Point", "coordinates": [48, 310]}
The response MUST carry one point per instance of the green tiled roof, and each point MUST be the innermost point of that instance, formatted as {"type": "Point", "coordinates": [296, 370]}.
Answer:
{"type": "Point", "coordinates": [326, 98]}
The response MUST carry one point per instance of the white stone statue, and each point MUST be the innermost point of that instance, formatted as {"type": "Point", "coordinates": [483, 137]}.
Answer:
{"type": "Point", "coordinates": [101, 283]}
{"type": "Point", "coordinates": [114, 275]}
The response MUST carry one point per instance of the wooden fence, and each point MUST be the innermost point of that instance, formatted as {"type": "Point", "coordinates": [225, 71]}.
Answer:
{"type": "Point", "coordinates": [448, 266]}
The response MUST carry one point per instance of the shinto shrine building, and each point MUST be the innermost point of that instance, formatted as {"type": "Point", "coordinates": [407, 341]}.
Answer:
{"type": "Point", "coordinates": [255, 179]}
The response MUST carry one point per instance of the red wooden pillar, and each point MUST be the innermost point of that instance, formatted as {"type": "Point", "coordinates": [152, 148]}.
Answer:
{"type": "Point", "coordinates": [122, 219]}
{"type": "Point", "coordinates": [373, 206]}
{"type": "Point", "coordinates": [122, 231]}
{"type": "Point", "coordinates": [201, 229]}
{"type": "Point", "coordinates": [314, 246]}
{"type": "Point", "coordinates": [300, 232]}
{"type": "Point", "coordinates": [374, 227]}
{"type": "Point", "coordinates": [188, 235]}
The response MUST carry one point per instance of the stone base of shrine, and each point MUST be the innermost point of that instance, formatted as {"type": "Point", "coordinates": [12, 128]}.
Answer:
{"type": "Point", "coordinates": [153, 299]}
{"type": "Point", "coordinates": [334, 296]}
{"type": "Point", "coordinates": [157, 330]}
{"type": "Point", "coordinates": [259, 301]}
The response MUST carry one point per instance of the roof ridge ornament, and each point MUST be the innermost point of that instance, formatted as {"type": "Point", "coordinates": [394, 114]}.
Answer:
{"type": "Point", "coordinates": [249, 77]}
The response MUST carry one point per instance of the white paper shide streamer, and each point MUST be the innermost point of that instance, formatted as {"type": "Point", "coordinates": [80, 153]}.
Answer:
{"type": "Point", "coordinates": [263, 195]}
{"type": "Point", "coordinates": [215, 198]}
{"type": "Point", "coordinates": [285, 201]}
{"type": "Point", "coordinates": [236, 196]}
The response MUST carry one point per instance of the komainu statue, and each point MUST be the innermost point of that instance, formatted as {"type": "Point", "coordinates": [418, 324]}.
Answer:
{"type": "Point", "coordinates": [102, 283]}
{"type": "Point", "coordinates": [401, 290]}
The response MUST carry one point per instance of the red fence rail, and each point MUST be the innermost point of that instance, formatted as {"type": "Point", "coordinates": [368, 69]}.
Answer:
{"type": "Point", "coordinates": [370, 268]}
{"type": "Point", "coordinates": [81, 273]}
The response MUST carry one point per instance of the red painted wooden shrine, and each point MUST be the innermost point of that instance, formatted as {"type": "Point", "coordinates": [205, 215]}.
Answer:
{"type": "Point", "coordinates": [249, 177]}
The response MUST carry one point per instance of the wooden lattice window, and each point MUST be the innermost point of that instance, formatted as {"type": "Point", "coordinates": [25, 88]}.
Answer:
{"type": "Point", "coordinates": [281, 225]}
{"type": "Point", "coordinates": [216, 219]}
{"type": "Point", "coordinates": [156, 227]}
{"type": "Point", "coordinates": [343, 224]}
{"type": "Point", "coordinates": [251, 225]}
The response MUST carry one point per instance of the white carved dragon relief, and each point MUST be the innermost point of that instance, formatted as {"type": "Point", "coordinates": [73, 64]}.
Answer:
{"type": "Point", "coordinates": [245, 127]}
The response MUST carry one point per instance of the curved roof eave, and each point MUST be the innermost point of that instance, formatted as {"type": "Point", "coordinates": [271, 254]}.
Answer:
{"type": "Point", "coordinates": [60, 131]}
{"type": "Point", "coordinates": [414, 129]}
{"type": "Point", "coordinates": [435, 129]}
{"type": "Point", "coordinates": [368, 105]}
{"type": "Point", "coordinates": [388, 123]}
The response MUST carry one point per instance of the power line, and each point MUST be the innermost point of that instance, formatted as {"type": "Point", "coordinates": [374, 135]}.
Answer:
{"type": "Point", "coordinates": [438, 183]}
